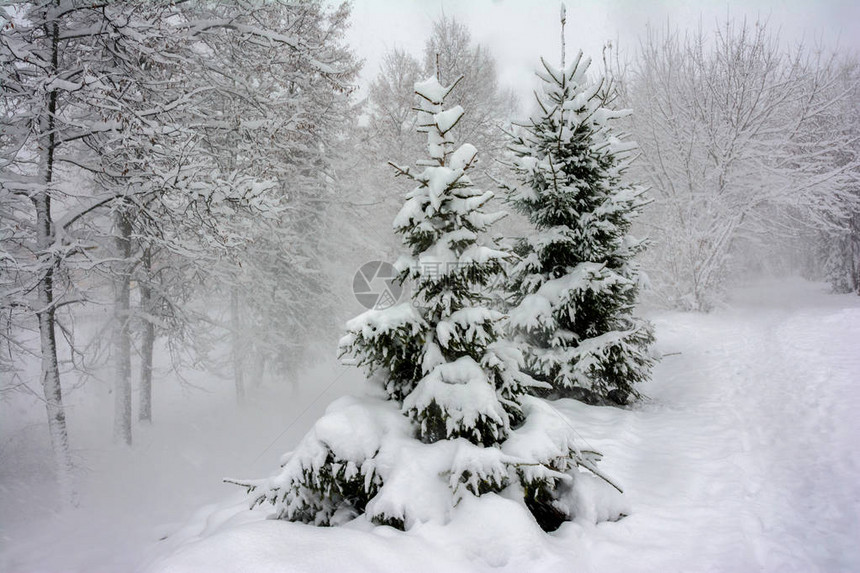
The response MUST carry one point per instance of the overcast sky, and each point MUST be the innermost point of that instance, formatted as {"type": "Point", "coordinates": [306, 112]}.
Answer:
{"type": "Point", "coordinates": [519, 31]}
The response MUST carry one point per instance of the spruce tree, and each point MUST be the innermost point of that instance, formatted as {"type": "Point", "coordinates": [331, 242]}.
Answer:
{"type": "Point", "coordinates": [573, 290]}
{"type": "Point", "coordinates": [453, 417]}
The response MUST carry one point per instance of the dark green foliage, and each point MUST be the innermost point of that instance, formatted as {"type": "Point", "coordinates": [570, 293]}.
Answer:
{"type": "Point", "coordinates": [573, 291]}
{"type": "Point", "coordinates": [393, 354]}
{"type": "Point", "coordinates": [542, 503]}
{"type": "Point", "coordinates": [390, 521]}
{"type": "Point", "coordinates": [337, 485]}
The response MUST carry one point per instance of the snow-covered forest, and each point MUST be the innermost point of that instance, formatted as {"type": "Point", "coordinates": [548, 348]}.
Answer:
{"type": "Point", "coordinates": [275, 298]}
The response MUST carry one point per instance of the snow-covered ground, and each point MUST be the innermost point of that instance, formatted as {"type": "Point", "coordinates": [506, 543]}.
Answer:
{"type": "Point", "coordinates": [745, 457]}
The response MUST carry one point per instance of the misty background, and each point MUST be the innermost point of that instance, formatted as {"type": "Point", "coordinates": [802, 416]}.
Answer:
{"type": "Point", "coordinates": [187, 192]}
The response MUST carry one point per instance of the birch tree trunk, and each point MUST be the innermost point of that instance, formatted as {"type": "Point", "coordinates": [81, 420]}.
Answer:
{"type": "Point", "coordinates": [50, 372]}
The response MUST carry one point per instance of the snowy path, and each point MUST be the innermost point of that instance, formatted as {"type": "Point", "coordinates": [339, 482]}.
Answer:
{"type": "Point", "coordinates": [747, 457]}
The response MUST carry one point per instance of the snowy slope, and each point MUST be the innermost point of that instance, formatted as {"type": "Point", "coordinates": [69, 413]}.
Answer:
{"type": "Point", "coordinates": [746, 457]}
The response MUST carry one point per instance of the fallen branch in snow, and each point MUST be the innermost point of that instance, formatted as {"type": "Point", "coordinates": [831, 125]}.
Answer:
{"type": "Point", "coordinates": [593, 469]}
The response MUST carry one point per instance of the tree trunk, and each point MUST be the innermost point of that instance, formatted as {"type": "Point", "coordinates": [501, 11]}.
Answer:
{"type": "Point", "coordinates": [148, 339]}
{"type": "Point", "coordinates": [122, 335]}
{"type": "Point", "coordinates": [238, 345]}
{"type": "Point", "coordinates": [50, 372]}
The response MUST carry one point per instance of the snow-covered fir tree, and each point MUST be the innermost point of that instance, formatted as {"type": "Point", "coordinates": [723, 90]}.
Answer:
{"type": "Point", "coordinates": [572, 292]}
{"type": "Point", "coordinates": [452, 417]}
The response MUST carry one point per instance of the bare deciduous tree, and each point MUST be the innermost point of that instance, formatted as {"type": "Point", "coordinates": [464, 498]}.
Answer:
{"type": "Point", "coordinates": [730, 130]}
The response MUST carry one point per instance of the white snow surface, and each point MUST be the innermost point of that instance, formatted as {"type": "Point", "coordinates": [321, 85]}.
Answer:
{"type": "Point", "coordinates": [375, 321]}
{"type": "Point", "coordinates": [534, 312]}
{"type": "Point", "coordinates": [463, 157]}
{"type": "Point", "coordinates": [353, 429]}
{"type": "Point", "coordinates": [431, 90]}
{"type": "Point", "coordinates": [447, 119]}
{"type": "Point", "coordinates": [462, 390]}
{"type": "Point", "coordinates": [745, 457]}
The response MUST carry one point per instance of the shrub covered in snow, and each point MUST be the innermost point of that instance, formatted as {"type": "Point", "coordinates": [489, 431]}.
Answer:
{"type": "Point", "coordinates": [573, 290]}
{"type": "Point", "coordinates": [454, 418]}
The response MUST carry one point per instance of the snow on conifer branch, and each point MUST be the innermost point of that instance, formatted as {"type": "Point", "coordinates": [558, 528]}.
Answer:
{"type": "Point", "coordinates": [573, 290]}
{"type": "Point", "coordinates": [456, 419]}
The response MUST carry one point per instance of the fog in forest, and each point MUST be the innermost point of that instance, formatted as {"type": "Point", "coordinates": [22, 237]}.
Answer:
{"type": "Point", "coordinates": [206, 208]}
